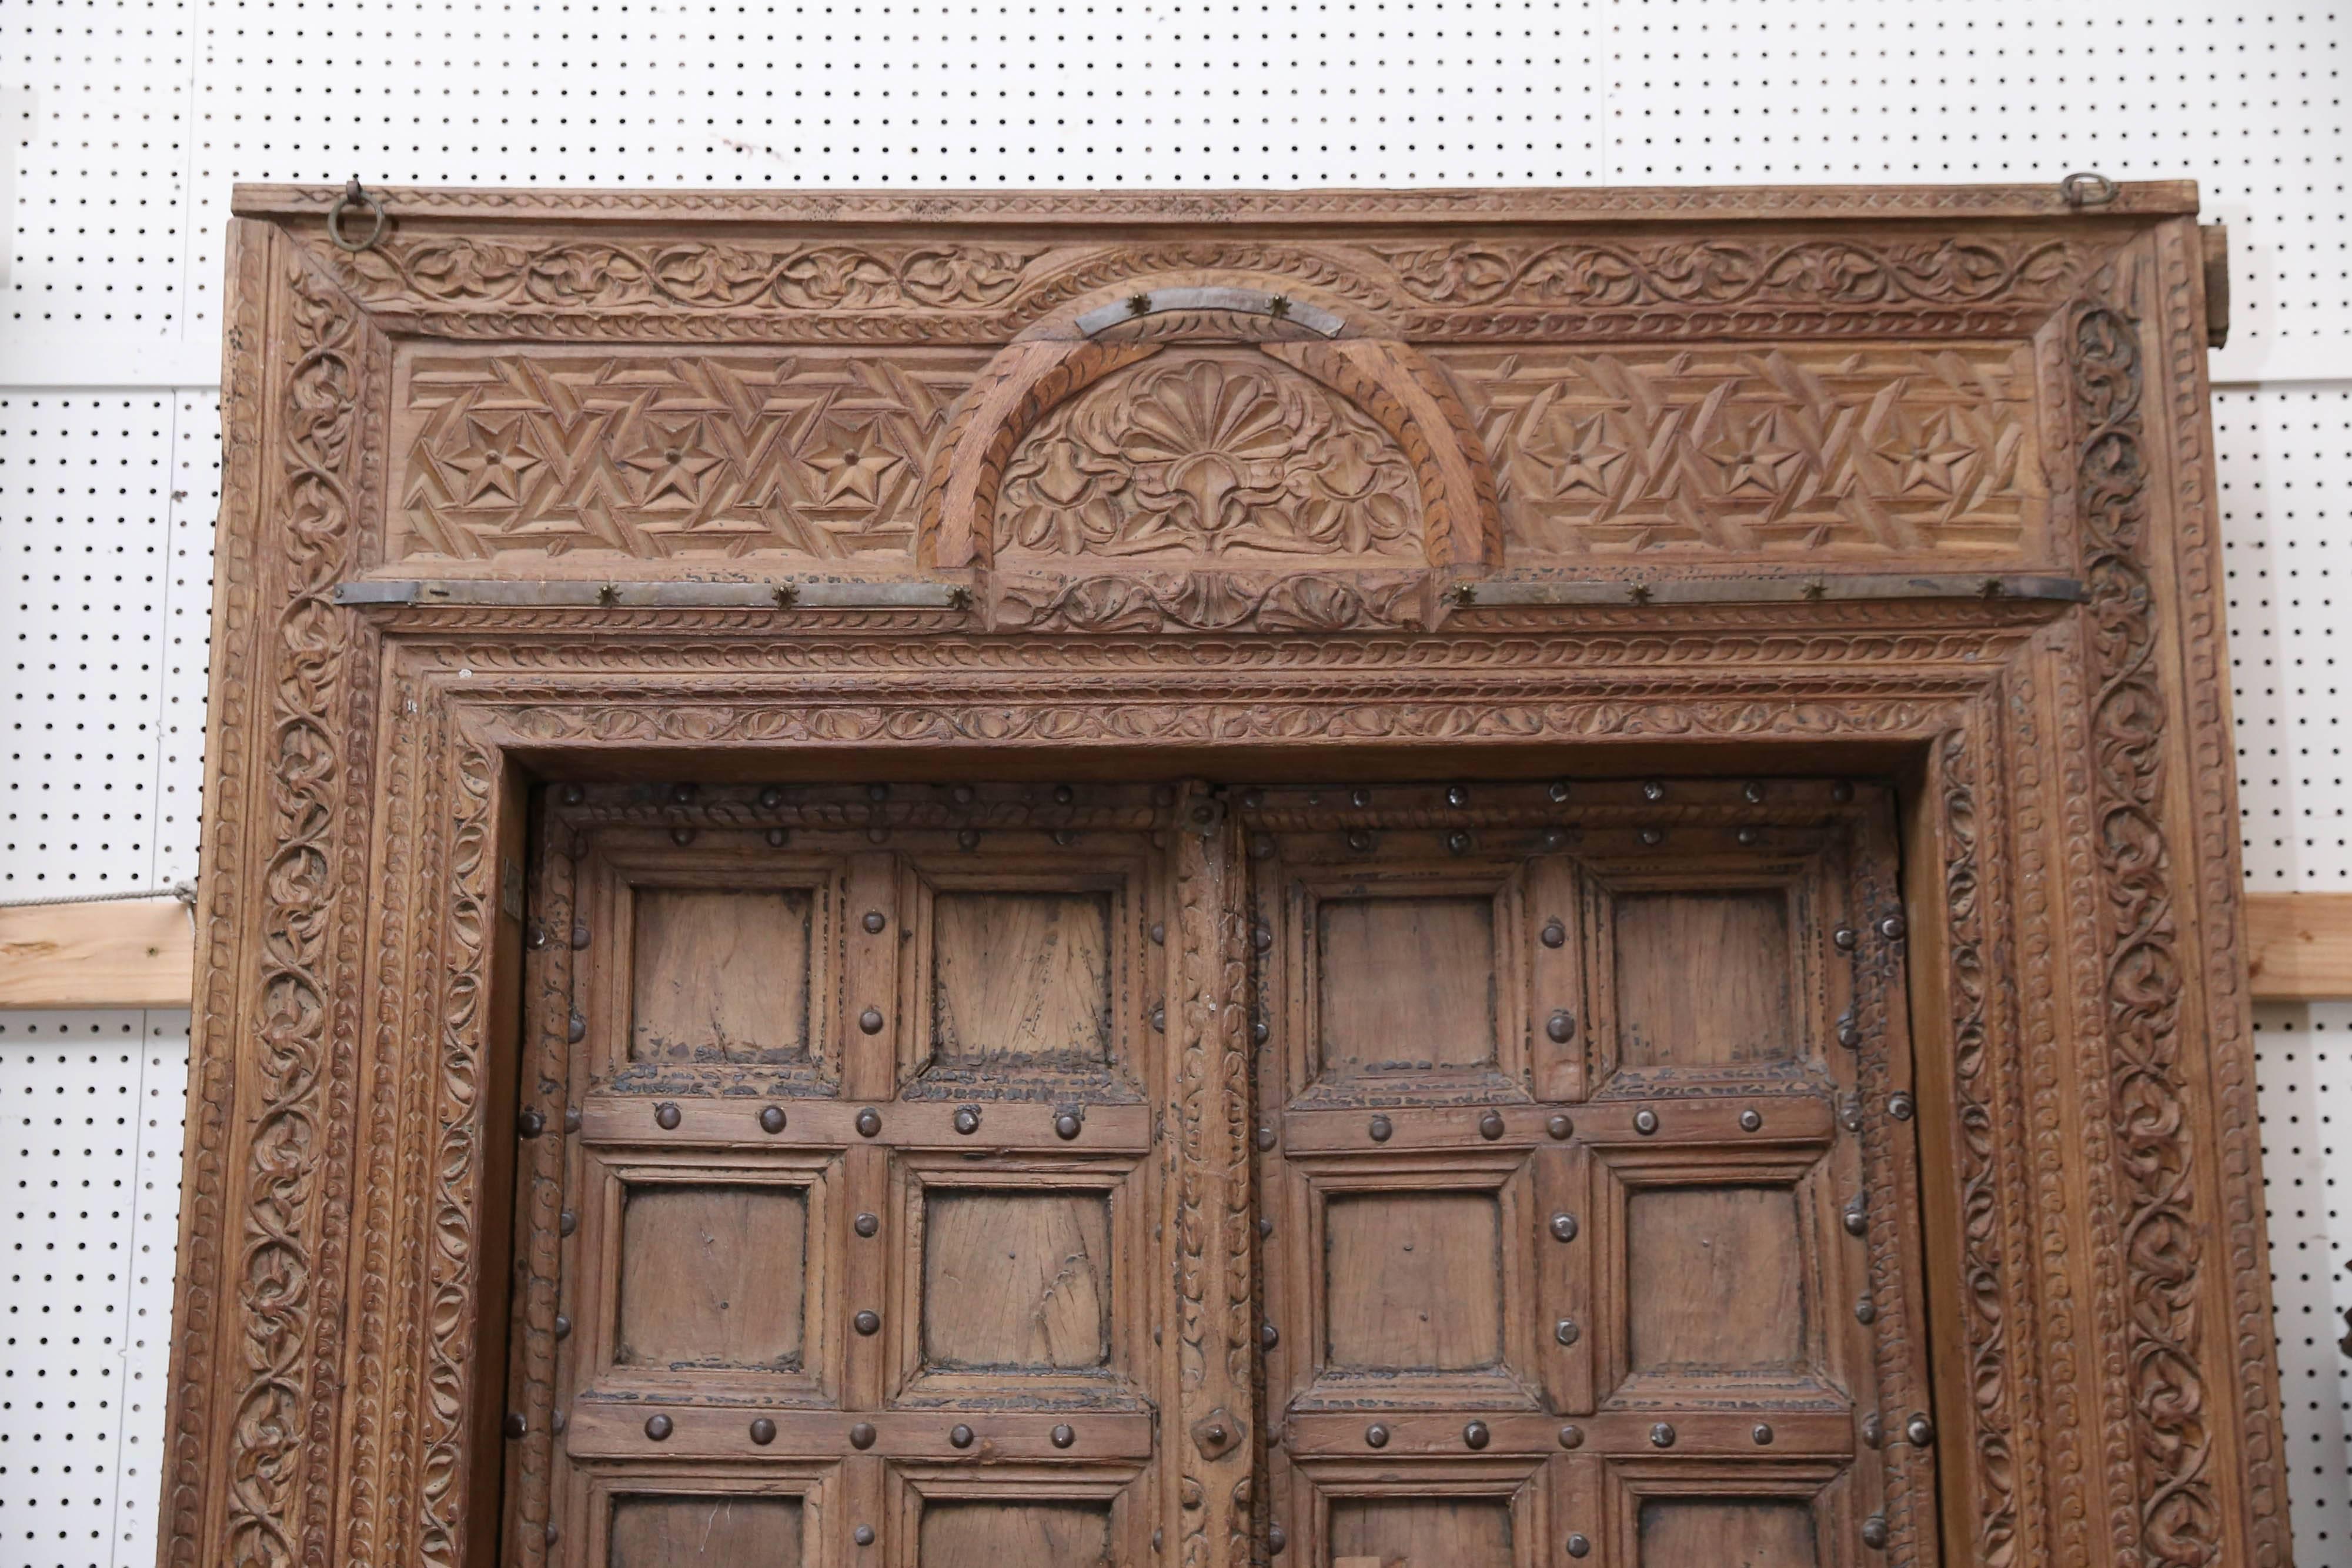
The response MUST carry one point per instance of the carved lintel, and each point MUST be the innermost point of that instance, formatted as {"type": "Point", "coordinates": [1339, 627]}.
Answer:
{"type": "Point", "coordinates": [1213, 601]}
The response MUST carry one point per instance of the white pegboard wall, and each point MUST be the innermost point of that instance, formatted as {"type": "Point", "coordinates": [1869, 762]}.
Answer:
{"type": "Point", "coordinates": [131, 120]}
{"type": "Point", "coordinates": [90, 1123]}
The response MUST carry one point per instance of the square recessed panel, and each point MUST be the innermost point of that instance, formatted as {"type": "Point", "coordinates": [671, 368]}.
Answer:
{"type": "Point", "coordinates": [1440, 1532]}
{"type": "Point", "coordinates": [1008, 1535]}
{"type": "Point", "coordinates": [722, 975]}
{"type": "Point", "coordinates": [712, 1276]}
{"type": "Point", "coordinates": [1754, 1532]}
{"type": "Point", "coordinates": [1016, 1280]}
{"type": "Point", "coordinates": [1413, 1281]}
{"type": "Point", "coordinates": [1406, 985]}
{"type": "Point", "coordinates": [709, 1531]}
{"type": "Point", "coordinates": [1714, 1276]}
{"type": "Point", "coordinates": [1021, 977]}
{"type": "Point", "coordinates": [1703, 979]}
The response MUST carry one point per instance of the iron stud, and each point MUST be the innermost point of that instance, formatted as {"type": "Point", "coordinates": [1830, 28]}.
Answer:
{"type": "Point", "coordinates": [1265, 1139]}
{"type": "Point", "coordinates": [681, 836]}
{"type": "Point", "coordinates": [530, 1124]}
{"type": "Point", "coordinates": [658, 1427]}
{"type": "Point", "coordinates": [567, 1222]}
{"type": "Point", "coordinates": [1458, 841]}
{"type": "Point", "coordinates": [571, 1118]}
{"type": "Point", "coordinates": [562, 1326]}
{"type": "Point", "coordinates": [553, 1535]}
{"type": "Point", "coordinates": [576, 1029]}
{"type": "Point", "coordinates": [1457, 795]}
{"type": "Point", "coordinates": [1275, 1538]}
{"type": "Point", "coordinates": [1158, 1018]}
{"type": "Point", "coordinates": [579, 935]}
{"type": "Point", "coordinates": [770, 798]}
{"type": "Point", "coordinates": [1360, 839]}
{"type": "Point", "coordinates": [1898, 1105]}
{"type": "Point", "coordinates": [1559, 1126]}
{"type": "Point", "coordinates": [863, 1535]}
{"type": "Point", "coordinates": [861, 1436]}
{"type": "Point", "coordinates": [1578, 1546]}
{"type": "Point", "coordinates": [1555, 935]}
{"type": "Point", "coordinates": [763, 1431]}
{"type": "Point", "coordinates": [1560, 1028]}
{"type": "Point", "coordinates": [1490, 1125]}
{"type": "Point", "coordinates": [1361, 797]}
{"type": "Point", "coordinates": [870, 1021]}
{"type": "Point", "coordinates": [1872, 1433]}
{"type": "Point", "coordinates": [666, 1116]}
{"type": "Point", "coordinates": [1919, 1431]}
{"type": "Point", "coordinates": [967, 1120]}
{"type": "Point", "coordinates": [1064, 795]}
{"type": "Point", "coordinates": [1662, 1436]}
{"type": "Point", "coordinates": [1751, 1120]}
{"type": "Point", "coordinates": [681, 794]}
{"type": "Point", "coordinates": [778, 838]}
{"type": "Point", "coordinates": [1857, 1217]}
{"type": "Point", "coordinates": [1893, 928]}
{"type": "Point", "coordinates": [1845, 938]}
{"type": "Point", "coordinates": [1259, 1032]}
{"type": "Point", "coordinates": [874, 922]}
{"type": "Point", "coordinates": [535, 936]}
{"type": "Point", "coordinates": [1559, 791]}
{"type": "Point", "coordinates": [1762, 1434]}
{"type": "Point", "coordinates": [1268, 1335]}
{"type": "Point", "coordinates": [1848, 1032]}
{"type": "Point", "coordinates": [557, 1421]}
{"type": "Point", "coordinates": [1749, 836]}
{"type": "Point", "coordinates": [1646, 1122]}
{"type": "Point", "coordinates": [968, 839]}
{"type": "Point", "coordinates": [1567, 1332]}
{"type": "Point", "coordinates": [1873, 1533]}
{"type": "Point", "coordinates": [1654, 789]}
{"type": "Point", "coordinates": [1381, 1129]}
{"type": "Point", "coordinates": [1062, 1437]}
{"type": "Point", "coordinates": [866, 1225]}
{"type": "Point", "coordinates": [771, 1119]}
{"type": "Point", "coordinates": [868, 1323]}
{"type": "Point", "coordinates": [1842, 791]}
{"type": "Point", "coordinates": [515, 1426]}
{"type": "Point", "coordinates": [1375, 1436]}
{"type": "Point", "coordinates": [1753, 792]}
{"type": "Point", "coordinates": [869, 1123]}
{"type": "Point", "coordinates": [1066, 1125]}
{"type": "Point", "coordinates": [1158, 934]}
{"type": "Point", "coordinates": [1571, 1436]}
{"type": "Point", "coordinates": [1563, 1227]}
{"type": "Point", "coordinates": [1477, 1436]}
{"type": "Point", "coordinates": [960, 1435]}
{"type": "Point", "coordinates": [1865, 1310]}
{"type": "Point", "coordinates": [1651, 836]}
{"type": "Point", "coordinates": [961, 794]}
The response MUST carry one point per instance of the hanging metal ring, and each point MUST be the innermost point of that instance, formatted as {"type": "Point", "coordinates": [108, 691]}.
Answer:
{"type": "Point", "coordinates": [2088, 190]}
{"type": "Point", "coordinates": [354, 197]}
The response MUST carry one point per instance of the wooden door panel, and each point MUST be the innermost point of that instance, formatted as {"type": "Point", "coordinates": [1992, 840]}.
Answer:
{"type": "Point", "coordinates": [722, 975]}
{"type": "Point", "coordinates": [709, 1531]}
{"type": "Point", "coordinates": [1563, 1097]}
{"type": "Point", "coordinates": [858, 1186]}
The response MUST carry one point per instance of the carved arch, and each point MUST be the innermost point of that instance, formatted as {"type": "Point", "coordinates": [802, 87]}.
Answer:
{"type": "Point", "coordinates": [1388, 381]}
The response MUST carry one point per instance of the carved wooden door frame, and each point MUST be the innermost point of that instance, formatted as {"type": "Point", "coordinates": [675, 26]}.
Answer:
{"type": "Point", "coordinates": [390, 670]}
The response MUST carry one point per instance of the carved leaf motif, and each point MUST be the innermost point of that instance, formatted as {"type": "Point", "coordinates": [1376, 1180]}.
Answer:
{"type": "Point", "coordinates": [1209, 454]}
{"type": "Point", "coordinates": [1836, 272]}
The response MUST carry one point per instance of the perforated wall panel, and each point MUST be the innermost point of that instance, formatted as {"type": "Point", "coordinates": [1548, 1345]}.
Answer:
{"type": "Point", "coordinates": [130, 121]}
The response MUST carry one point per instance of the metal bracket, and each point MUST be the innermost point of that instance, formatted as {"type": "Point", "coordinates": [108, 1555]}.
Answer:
{"type": "Point", "coordinates": [576, 593]}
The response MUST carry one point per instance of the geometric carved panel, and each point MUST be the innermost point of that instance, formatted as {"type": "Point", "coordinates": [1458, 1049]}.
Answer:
{"type": "Point", "coordinates": [807, 452]}
{"type": "Point", "coordinates": [1739, 1014]}
{"type": "Point", "coordinates": [712, 1276]}
{"type": "Point", "coordinates": [722, 975]}
{"type": "Point", "coordinates": [1859, 451]}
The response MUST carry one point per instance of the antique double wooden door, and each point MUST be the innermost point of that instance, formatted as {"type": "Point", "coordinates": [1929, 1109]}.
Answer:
{"type": "Point", "coordinates": [1573, 1241]}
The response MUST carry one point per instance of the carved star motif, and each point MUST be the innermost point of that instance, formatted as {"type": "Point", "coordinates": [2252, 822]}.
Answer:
{"type": "Point", "coordinates": [1926, 454]}
{"type": "Point", "coordinates": [1757, 459]}
{"type": "Point", "coordinates": [672, 459]}
{"type": "Point", "coordinates": [852, 463]}
{"type": "Point", "coordinates": [495, 462]}
{"type": "Point", "coordinates": [1580, 456]}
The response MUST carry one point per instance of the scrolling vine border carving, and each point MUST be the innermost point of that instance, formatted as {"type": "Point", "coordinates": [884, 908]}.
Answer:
{"type": "Point", "coordinates": [2143, 976]}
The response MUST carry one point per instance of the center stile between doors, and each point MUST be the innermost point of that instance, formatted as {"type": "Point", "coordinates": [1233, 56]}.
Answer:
{"type": "Point", "coordinates": [897, 1190]}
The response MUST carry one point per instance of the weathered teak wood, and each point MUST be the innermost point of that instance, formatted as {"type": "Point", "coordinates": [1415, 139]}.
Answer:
{"type": "Point", "coordinates": [1909, 489]}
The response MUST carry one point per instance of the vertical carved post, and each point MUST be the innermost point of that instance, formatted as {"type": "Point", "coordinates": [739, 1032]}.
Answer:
{"type": "Point", "coordinates": [1214, 1428]}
